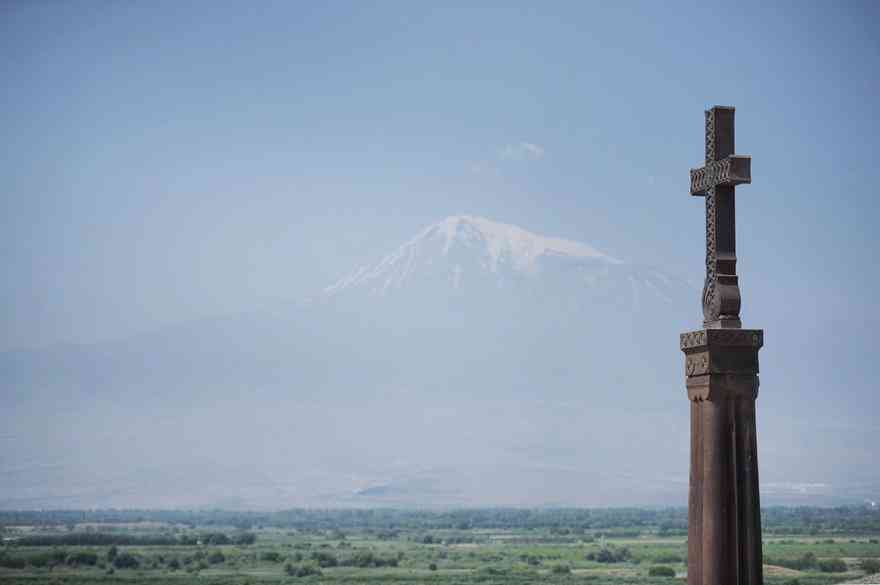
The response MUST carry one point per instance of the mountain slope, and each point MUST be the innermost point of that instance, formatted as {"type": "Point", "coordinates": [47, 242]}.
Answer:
{"type": "Point", "coordinates": [477, 364]}
{"type": "Point", "coordinates": [473, 256]}
{"type": "Point", "coordinates": [465, 242]}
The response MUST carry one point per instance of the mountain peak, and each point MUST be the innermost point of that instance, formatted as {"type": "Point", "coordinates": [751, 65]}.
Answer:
{"type": "Point", "coordinates": [521, 246]}
{"type": "Point", "coordinates": [460, 240]}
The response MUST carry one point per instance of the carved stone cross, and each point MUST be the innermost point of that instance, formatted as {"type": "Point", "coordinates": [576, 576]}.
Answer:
{"type": "Point", "coordinates": [717, 180]}
{"type": "Point", "coordinates": [721, 373]}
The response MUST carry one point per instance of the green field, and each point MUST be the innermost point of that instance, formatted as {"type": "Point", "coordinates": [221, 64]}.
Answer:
{"type": "Point", "coordinates": [488, 547]}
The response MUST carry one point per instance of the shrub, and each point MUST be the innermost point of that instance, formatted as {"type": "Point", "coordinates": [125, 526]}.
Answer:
{"type": "Point", "coordinates": [271, 556]}
{"type": "Point", "coordinates": [832, 566]}
{"type": "Point", "coordinates": [324, 558]}
{"type": "Point", "coordinates": [12, 562]}
{"type": "Point", "coordinates": [492, 571]}
{"type": "Point", "coordinates": [870, 566]}
{"type": "Point", "coordinates": [561, 570]}
{"type": "Point", "coordinates": [363, 558]}
{"type": "Point", "coordinates": [40, 560]}
{"type": "Point", "coordinates": [126, 560]}
{"type": "Point", "coordinates": [304, 570]}
{"type": "Point", "coordinates": [610, 554]}
{"type": "Point", "coordinates": [216, 557]}
{"type": "Point", "coordinates": [83, 557]}
{"type": "Point", "coordinates": [432, 567]}
{"type": "Point", "coordinates": [661, 571]}
{"type": "Point", "coordinates": [806, 562]}
{"type": "Point", "coordinates": [385, 562]}
{"type": "Point", "coordinates": [215, 538]}
{"type": "Point", "coordinates": [388, 534]}
{"type": "Point", "coordinates": [97, 539]}
{"type": "Point", "coordinates": [244, 538]}
{"type": "Point", "coordinates": [366, 558]}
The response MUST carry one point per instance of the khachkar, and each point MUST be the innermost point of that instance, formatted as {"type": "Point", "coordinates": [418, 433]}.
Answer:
{"type": "Point", "coordinates": [721, 368]}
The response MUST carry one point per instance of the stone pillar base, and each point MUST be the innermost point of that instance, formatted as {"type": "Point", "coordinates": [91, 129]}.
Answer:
{"type": "Point", "coordinates": [724, 518]}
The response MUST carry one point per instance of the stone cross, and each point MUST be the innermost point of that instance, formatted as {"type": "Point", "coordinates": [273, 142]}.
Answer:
{"type": "Point", "coordinates": [721, 372]}
{"type": "Point", "coordinates": [716, 180]}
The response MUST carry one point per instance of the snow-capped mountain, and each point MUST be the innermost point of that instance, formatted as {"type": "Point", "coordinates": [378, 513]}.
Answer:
{"type": "Point", "coordinates": [468, 255]}
{"type": "Point", "coordinates": [478, 364]}
{"type": "Point", "coordinates": [476, 348]}
{"type": "Point", "coordinates": [475, 242]}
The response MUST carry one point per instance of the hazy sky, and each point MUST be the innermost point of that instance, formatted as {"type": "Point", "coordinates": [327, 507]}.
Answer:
{"type": "Point", "coordinates": [163, 161]}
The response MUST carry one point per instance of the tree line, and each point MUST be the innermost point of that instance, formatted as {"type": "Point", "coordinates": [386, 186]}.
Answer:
{"type": "Point", "coordinates": [122, 539]}
{"type": "Point", "coordinates": [612, 521]}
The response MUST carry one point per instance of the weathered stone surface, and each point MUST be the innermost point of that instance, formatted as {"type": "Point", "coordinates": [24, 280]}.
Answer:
{"type": "Point", "coordinates": [731, 171]}
{"type": "Point", "coordinates": [717, 180]}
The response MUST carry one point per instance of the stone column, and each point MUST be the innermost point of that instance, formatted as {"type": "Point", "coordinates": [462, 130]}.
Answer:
{"type": "Point", "coordinates": [724, 517]}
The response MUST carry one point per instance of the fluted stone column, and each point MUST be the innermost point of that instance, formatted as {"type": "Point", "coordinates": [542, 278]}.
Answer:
{"type": "Point", "coordinates": [724, 522]}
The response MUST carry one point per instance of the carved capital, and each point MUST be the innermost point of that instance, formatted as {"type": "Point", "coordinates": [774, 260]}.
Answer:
{"type": "Point", "coordinates": [719, 338]}
{"type": "Point", "coordinates": [716, 387]}
{"type": "Point", "coordinates": [721, 362]}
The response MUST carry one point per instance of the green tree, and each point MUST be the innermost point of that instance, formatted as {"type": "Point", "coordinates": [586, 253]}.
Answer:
{"type": "Point", "coordinates": [125, 560]}
{"type": "Point", "coordinates": [324, 558]}
{"type": "Point", "coordinates": [661, 571]}
{"type": "Point", "coordinates": [272, 556]}
{"type": "Point", "coordinates": [832, 566]}
{"type": "Point", "coordinates": [870, 566]}
{"type": "Point", "coordinates": [216, 557]}
{"type": "Point", "coordinates": [83, 557]}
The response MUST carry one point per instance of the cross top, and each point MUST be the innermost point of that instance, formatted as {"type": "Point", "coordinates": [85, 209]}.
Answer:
{"type": "Point", "coordinates": [716, 180]}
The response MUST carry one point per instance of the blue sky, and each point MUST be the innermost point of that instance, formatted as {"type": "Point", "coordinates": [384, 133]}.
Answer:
{"type": "Point", "coordinates": [167, 161]}
{"type": "Point", "coordinates": [164, 161]}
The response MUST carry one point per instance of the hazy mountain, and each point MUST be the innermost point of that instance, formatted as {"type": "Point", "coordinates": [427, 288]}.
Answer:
{"type": "Point", "coordinates": [478, 363]}
{"type": "Point", "coordinates": [465, 256]}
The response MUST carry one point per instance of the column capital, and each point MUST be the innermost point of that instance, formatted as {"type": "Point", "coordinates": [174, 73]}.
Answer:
{"type": "Point", "coordinates": [716, 338]}
{"type": "Point", "coordinates": [721, 363]}
{"type": "Point", "coordinates": [715, 387]}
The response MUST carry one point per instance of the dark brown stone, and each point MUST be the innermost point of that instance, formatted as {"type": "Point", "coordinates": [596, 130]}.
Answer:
{"type": "Point", "coordinates": [716, 180]}
{"type": "Point", "coordinates": [721, 373]}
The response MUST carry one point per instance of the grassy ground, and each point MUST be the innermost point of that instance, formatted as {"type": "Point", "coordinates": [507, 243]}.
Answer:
{"type": "Point", "coordinates": [440, 557]}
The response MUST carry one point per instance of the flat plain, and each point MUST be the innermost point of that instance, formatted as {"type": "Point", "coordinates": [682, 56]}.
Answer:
{"type": "Point", "coordinates": [614, 547]}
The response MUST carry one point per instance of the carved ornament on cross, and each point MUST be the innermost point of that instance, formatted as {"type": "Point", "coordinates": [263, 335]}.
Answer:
{"type": "Point", "coordinates": [716, 180]}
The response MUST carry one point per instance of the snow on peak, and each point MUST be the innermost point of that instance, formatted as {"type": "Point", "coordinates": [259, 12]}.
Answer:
{"type": "Point", "coordinates": [522, 247]}
{"type": "Point", "coordinates": [498, 244]}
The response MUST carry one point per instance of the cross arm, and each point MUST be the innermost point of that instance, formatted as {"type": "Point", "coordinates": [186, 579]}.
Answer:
{"type": "Point", "coordinates": [731, 170]}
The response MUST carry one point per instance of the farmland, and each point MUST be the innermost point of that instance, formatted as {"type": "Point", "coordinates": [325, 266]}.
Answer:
{"type": "Point", "coordinates": [801, 546]}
